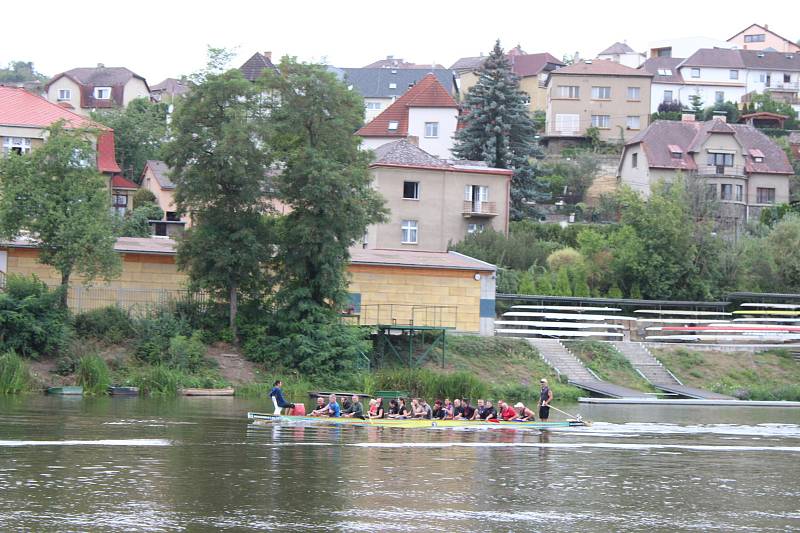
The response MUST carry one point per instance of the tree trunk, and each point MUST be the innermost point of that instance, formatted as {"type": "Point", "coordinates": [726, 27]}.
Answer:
{"type": "Point", "coordinates": [234, 309]}
{"type": "Point", "coordinates": [64, 288]}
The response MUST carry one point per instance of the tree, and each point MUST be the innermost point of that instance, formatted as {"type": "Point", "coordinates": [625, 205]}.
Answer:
{"type": "Point", "coordinates": [765, 102]}
{"type": "Point", "coordinates": [220, 165]}
{"type": "Point", "coordinates": [696, 105]}
{"type": "Point", "coordinates": [731, 111]}
{"type": "Point", "coordinates": [19, 72]}
{"type": "Point", "coordinates": [139, 131]}
{"type": "Point", "coordinates": [499, 130]}
{"type": "Point", "coordinates": [61, 200]}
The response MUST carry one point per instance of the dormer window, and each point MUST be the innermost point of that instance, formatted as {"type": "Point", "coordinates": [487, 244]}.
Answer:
{"type": "Point", "coordinates": [675, 151]}
{"type": "Point", "coordinates": [102, 93]}
{"type": "Point", "coordinates": [757, 155]}
{"type": "Point", "coordinates": [393, 124]}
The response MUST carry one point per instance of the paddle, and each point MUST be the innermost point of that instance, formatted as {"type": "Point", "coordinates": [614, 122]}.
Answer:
{"type": "Point", "coordinates": [564, 412]}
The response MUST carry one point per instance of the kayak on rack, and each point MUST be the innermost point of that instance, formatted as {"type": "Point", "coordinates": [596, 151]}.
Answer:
{"type": "Point", "coordinates": [413, 423]}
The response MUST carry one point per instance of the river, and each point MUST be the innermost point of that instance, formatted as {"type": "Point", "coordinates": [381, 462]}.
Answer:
{"type": "Point", "coordinates": [194, 464]}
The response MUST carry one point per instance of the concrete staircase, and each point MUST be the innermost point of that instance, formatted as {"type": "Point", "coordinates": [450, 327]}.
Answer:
{"type": "Point", "coordinates": [561, 359]}
{"type": "Point", "coordinates": [647, 365]}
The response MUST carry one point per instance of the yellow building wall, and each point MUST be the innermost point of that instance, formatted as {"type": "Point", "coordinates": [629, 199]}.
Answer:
{"type": "Point", "coordinates": [397, 289]}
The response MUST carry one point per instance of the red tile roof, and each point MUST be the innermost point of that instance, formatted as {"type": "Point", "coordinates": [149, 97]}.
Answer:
{"type": "Point", "coordinates": [21, 108]}
{"type": "Point", "coordinates": [427, 93]}
{"type": "Point", "coordinates": [118, 182]}
{"type": "Point", "coordinates": [106, 156]}
{"type": "Point", "coordinates": [525, 65]}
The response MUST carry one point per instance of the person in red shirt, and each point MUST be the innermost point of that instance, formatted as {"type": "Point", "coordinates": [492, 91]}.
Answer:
{"type": "Point", "coordinates": [505, 411]}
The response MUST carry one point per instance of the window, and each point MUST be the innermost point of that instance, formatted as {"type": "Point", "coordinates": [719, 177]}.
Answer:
{"type": "Point", "coordinates": [634, 122]}
{"type": "Point", "coordinates": [393, 86]}
{"type": "Point", "coordinates": [787, 78]}
{"type": "Point", "coordinates": [474, 198]}
{"type": "Point", "coordinates": [17, 145]}
{"type": "Point", "coordinates": [601, 121]}
{"type": "Point", "coordinates": [373, 105]}
{"type": "Point", "coordinates": [160, 229]}
{"type": "Point", "coordinates": [755, 38]}
{"type": "Point", "coordinates": [720, 160]}
{"type": "Point", "coordinates": [695, 72]}
{"type": "Point", "coordinates": [634, 93]}
{"type": "Point", "coordinates": [567, 123]}
{"type": "Point", "coordinates": [64, 94]}
{"type": "Point", "coordinates": [475, 228]}
{"type": "Point", "coordinates": [762, 77]}
{"type": "Point", "coordinates": [102, 93]}
{"type": "Point", "coordinates": [411, 190]}
{"type": "Point", "coordinates": [409, 229]}
{"type": "Point", "coordinates": [719, 97]}
{"type": "Point", "coordinates": [431, 130]}
{"type": "Point", "coordinates": [667, 97]}
{"type": "Point", "coordinates": [635, 160]}
{"type": "Point", "coordinates": [739, 191]}
{"type": "Point", "coordinates": [393, 124]}
{"type": "Point", "coordinates": [726, 191]}
{"type": "Point", "coordinates": [172, 216]}
{"type": "Point", "coordinates": [569, 91]}
{"type": "Point", "coordinates": [733, 74]}
{"type": "Point", "coordinates": [765, 195]}
{"type": "Point", "coordinates": [665, 72]}
{"type": "Point", "coordinates": [711, 190]}
{"type": "Point", "coordinates": [119, 203]}
{"type": "Point", "coordinates": [601, 93]}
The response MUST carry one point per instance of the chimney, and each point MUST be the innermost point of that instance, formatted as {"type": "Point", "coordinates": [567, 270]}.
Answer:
{"type": "Point", "coordinates": [766, 26]}
{"type": "Point", "coordinates": [268, 55]}
{"type": "Point", "coordinates": [100, 65]}
{"type": "Point", "coordinates": [413, 139]}
{"type": "Point", "coordinates": [721, 115]}
{"type": "Point", "coordinates": [687, 117]}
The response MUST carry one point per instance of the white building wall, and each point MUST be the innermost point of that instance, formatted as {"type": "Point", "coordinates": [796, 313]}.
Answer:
{"type": "Point", "coordinates": [75, 94]}
{"type": "Point", "coordinates": [374, 107]}
{"type": "Point", "coordinates": [657, 94]}
{"type": "Point", "coordinates": [447, 118]}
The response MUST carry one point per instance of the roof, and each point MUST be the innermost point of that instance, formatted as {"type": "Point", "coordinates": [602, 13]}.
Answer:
{"type": "Point", "coordinates": [654, 64]}
{"type": "Point", "coordinates": [468, 63]}
{"type": "Point", "coordinates": [763, 114]}
{"type": "Point", "coordinates": [142, 245]}
{"type": "Point", "coordinates": [765, 60]}
{"type": "Point", "coordinates": [418, 259]}
{"type": "Point", "coordinates": [617, 49]}
{"type": "Point", "coordinates": [601, 67]}
{"type": "Point", "coordinates": [374, 82]}
{"type": "Point", "coordinates": [690, 136]}
{"type": "Point", "coordinates": [171, 86]}
{"type": "Point", "coordinates": [427, 93]}
{"type": "Point", "coordinates": [525, 65]}
{"type": "Point", "coordinates": [106, 154]}
{"type": "Point", "coordinates": [390, 62]}
{"type": "Point", "coordinates": [161, 172]}
{"type": "Point", "coordinates": [714, 57]}
{"type": "Point", "coordinates": [21, 108]}
{"type": "Point", "coordinates": [253, 68]}
{"type": "Point", "coordinates": [118, 182]}
{"type": "Point", "coordinates": [405, 154]}
{"type": "Point", "coordinates": [763, 28]}
{"type": "Point", "coordinates": [99, 76]}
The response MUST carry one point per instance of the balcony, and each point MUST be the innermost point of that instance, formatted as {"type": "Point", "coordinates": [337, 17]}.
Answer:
{"type": "Point", "coordinates": [720, 170]}
{"type": "Point", "coordinates": [479, 209]}
{"type": "Point", "coordinates": [783, 86]}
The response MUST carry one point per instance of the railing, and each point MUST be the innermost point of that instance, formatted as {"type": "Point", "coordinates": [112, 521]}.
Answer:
{"type": "Point", "coordinates": [479, 208]}
{"type": "Point", "coordinates": [720, 170]}
{"type": "Point", "coordinates": [784, 86]}
{"type": "Point", "coordinates": [435, 316]}
{"type": "Point", "coordinates": [139, 302]}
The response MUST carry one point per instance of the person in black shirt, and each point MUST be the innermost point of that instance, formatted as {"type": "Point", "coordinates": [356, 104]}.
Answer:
{"type": "Point", "coordinates": [468, 412]}
{"type": "Point", "coordinates": [489, 412]}
{"type": "Point", "coordinates": [458, 410]}
{"type": "Point", "coordinates": [439, 412]}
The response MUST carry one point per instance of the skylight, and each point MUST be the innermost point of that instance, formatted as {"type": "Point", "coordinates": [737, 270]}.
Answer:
{"type": "Point", "coordinates": [393, 124]}
{"type": "Point", "coordinates": [665, 72]}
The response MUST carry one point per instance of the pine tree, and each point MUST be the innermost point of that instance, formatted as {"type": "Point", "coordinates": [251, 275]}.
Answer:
{"type": "Point", "coordinates": [696, 104]}
{"type": "Point", "coordinates": [500, 131]}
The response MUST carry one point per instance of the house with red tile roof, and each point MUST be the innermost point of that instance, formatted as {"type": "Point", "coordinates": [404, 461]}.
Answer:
{"type": "Point", "coordinates": [23, 120]}
{"type": "Point", "coordinates": [426, 113]}
{"type": "Point", "coordinates": [738, 164]}
{"type": "Point", "coordinates": [84, 90]}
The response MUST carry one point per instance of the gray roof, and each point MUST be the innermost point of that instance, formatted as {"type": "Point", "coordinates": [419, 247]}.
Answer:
{"type": "Point", "coordinates": [374, 82]}
{"type": "Point", "coordinates": [171, 86]}
{"type": "Point", "coordinates": [617, 48]}
{"type": "Point", "coordinates": [714, 57]}
{"type": "Point", "coordinates": [654, 64]}
{"type": "Point", "coordinates": [418, 259]}
{"type": "Point", "coordinates": [256, 65]}
{"type": "Point", "coordinates": [98, 76]}
{"type": "Point", "coordinates": [161, 172]}
{"type": "Point", "coordinates": [403, 152]}
{"type": "Point", "coordinates": [468, 63]}
{"type": "Point", "coordinates": [765, 60]}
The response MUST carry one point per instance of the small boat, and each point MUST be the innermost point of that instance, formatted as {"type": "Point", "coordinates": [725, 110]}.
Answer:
{"type": "Point", "coordinates": [123, 391]}
{"type": "Point", "coordinates": [207, 392]}
{"type": "Point", "coordinates": [66, 391]}
{"type": "Point", "coordinates": [413, 423]}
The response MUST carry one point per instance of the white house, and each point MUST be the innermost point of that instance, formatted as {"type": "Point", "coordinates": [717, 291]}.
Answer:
{"type": "Point", "coordinates": [667, 86]}
{"type": "Point", "coordinates": [426, 113]}
{"type": "Point", "coordinates": [716, 75]}
{"type": "Point", "coordinates": [623, 54]}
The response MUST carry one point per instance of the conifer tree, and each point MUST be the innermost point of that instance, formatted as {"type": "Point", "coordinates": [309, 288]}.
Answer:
{"type": "Point", "coordinates": [499, 129]}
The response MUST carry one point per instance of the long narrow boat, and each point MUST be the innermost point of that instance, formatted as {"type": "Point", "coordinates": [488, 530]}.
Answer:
{"type": "Point", "coordinates": [413, 423]}
{"type": "Point", "coordinates": [66, 391]}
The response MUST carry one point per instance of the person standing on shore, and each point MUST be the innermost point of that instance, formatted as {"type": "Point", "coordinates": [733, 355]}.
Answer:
{"type": "Point", "coordinates": [545, 397]}
{"type": "Point", "coordinates": [277, 397]}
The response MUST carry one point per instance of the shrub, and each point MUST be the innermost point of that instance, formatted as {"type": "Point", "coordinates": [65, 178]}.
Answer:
{"type": "Point", "coordinates": [32, 321]}
{"type": "Point", "coordinates": [65, 365]}
{"type": "Point", "coordinates": [93, 374]}
{"type": "Point", "coordinates": [110, 324]}
{"type": "Point", "coordinates": [14, 374]}
{"type": "Point", "coordinates": [143, 197]}
{"type": "Point", "coordinates": [160, 380]}
{"type": "Point", "coordinates": [154, 335]}
{"type": "Point", "coordinates": [431, 385]}
{"type": "Point", "coordinates": [186, 353]}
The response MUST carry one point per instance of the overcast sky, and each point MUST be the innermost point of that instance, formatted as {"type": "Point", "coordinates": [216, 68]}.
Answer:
{"type": "Point", "coordinates": [160, 39]}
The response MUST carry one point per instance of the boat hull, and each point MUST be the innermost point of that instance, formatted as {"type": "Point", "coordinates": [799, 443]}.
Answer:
{"type": "Point", "coordinates": [65, 391]}
{"type": "Point", "coordinates": [206, 392]}
{"type": "Point", "coordinates": [408, 423]}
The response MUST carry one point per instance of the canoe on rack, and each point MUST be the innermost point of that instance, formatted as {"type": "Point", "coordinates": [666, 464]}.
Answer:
{"type": "Point", "coordinates": [265, 418]}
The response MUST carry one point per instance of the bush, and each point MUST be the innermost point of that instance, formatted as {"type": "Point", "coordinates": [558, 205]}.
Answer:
{"type": "Point", "coordinates": [160, 380]}
{"type": "Point", "coordinates": [93, 374]}
{"type": "Point", "coordinates": [209, 316]}
{"type": "Point", "coordinates": [186, 353]}
{"type": "Point", "coordinates": [154, 335]}
{"type": "Point", "coordinates": [15, 376]}
{"type": "Point", "coordinates": [110, 324]}
{"type": "Point", "coordinates": [32, 321]}
{"type": "Point", "coordinates": [431, 385]}
{"type": "Point", "coordinates": [143, 197]}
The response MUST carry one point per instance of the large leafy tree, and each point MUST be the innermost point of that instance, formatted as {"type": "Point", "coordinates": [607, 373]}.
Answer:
{"type": "Point", "coordinates": [139, 131]}
{"type": "Point", "coordinates": [21, 71]}
{"type": "Point", "coordinates": [499, 129]}
{"type": "Point", "coordinates": [56, 195]}
{"type": "Point", "coordinates": [220, 164]}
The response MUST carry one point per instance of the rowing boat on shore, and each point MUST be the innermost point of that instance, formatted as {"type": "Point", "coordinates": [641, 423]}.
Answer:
{"type": "Point", "coordinates": [412, 423]}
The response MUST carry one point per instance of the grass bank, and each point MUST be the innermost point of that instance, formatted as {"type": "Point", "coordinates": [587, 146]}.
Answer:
{"type": "Point", "coordinates": [610, 365]}
{"type": "Point", "coordinates": [767, 375]}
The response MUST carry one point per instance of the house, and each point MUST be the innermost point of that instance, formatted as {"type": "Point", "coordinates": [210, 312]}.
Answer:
{"type": "Point", "coordinates": [155, 178]}
{"type": "Point", "coordinates": [739, 165]}
{"type": "Point", "coordinates": [667, 80]}
{"type": "Point", "coordinates": [758, 37]}
{"type": "Point", "coordinates": [600, 94]}
{"type": "Point", "coordinates": [24, 118]}
{"type": "Point", "coordinates": [623, 54]}
{"type": "Point", "coordinates": [380, 87]}
{"type": "Point", "coordinates": [392, 62]}
{"type": "Point", "coordinates": [84, 90]}
{"type": "Point", "coordinates": [253, 68]}
{"type": "Point", "coordinates": [716, 75]}
{"type": "Point", "coordinates": [531, 69]}
{"type": "Point", "coordinates": [426, 112]}
{"type": "Point", "coordinates": [684, 46]}
{"type": "Point", "coordinates": [775, 72]}
{"type": "Point", "coordinates": [433, 202]}
{"type": "Point", "coordinates": [169, 89]}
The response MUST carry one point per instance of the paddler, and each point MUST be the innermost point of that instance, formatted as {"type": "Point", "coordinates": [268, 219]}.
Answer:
{"type": "Point", "coordinates": [277, 397]}
{"type": "Point", "coordinates": [545, 397]}
{"type": "Point", "coordinates": [524, 414]}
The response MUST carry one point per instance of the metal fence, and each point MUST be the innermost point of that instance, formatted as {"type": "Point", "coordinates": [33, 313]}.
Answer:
{"type": "Point", "coordinates": [137, 302]}
{"type": "Point", "coordinates": [437, 316]}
